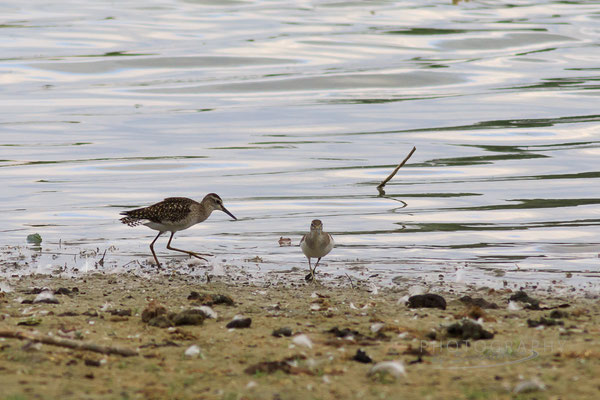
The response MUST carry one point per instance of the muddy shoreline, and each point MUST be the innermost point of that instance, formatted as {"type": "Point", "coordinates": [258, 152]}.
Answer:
{"type": "Point", "coordinates": [334, 330]}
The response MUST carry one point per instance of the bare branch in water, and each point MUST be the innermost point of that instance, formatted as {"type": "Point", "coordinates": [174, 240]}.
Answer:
{"type": "Point", "coordinates": [386, 180]}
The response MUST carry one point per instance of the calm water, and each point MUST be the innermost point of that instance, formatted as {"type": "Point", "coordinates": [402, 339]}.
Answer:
{"type": "Point", "coordinates": [297, 110]}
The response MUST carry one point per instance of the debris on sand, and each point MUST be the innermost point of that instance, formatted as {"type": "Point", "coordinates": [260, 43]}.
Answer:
{"type": "Point", "coordinates": [285, 331]}
{"type": "Point", "coordinates": [283, 242]}
{"type": "Point", "coordinates": [239, 322]}
{"type": "Point", "coordinates": [522, 297]}
{"type": "Point", "coordinates": [287, 365]}
{"type": "Point", "coordinates": [153, 310]}
{"type": "Point", "coordinates": [543, 322]}
{"type": "Point", "coordinates": [556, 314]}
{"type": "Point", "coordinates": [208, 299]}
{"type": "Point", "coordinates": [362, 357]}
{"type": "Point", "coordinates": [468, 329]}
{"type": "Point", "coordinates": [157, 315]}
{"type": "Point", "coordinates": [192, 351]}
{"type": "Point", "coordinates": [533, 385]}
{"type": "Point", "coordinates": [391, 368]}
{"type": "Point", "coordinates": [47, 297]}
{"type": "Point", "coordinates": [303, 340]}
{"type": "Point", "coordinates": [428, 300]}
{"type": "Point", "coordinates": [479, 302]}
{"type": "Point", "coordinates": [476, 313]}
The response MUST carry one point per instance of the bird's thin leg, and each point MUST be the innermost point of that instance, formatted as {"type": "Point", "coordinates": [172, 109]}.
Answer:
{"type": "Point", "coordinates": [311, 275]}
{"type": "Point", "coordinates": [315, 268]}
{"type": "Point", "coordinates": [152, 248]}
{"type": "Point", "coordinates": [191, 253]}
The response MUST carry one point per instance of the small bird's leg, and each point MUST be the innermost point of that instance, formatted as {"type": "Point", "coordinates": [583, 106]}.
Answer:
{"type": "Point", "coordinates": [152, 249]}
{"type": "Point", "coordinates": [310, 277]}
{"type": "Point", "coordinates": [191, 253]}
{"type": "Point", "coordinates": [315, 268]}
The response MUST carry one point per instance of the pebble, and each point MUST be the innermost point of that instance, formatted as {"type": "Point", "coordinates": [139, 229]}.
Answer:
{"type": "Point", "coordinates": [192, 351]}
{"type": "Point", "coordinates": [428, 300]}
{"type": "Point", "coordinates": [393, 368]}
{"type": "Point", "coordinates": [46, 297]}
{"type": "Point", "coordinates": [302, 340]}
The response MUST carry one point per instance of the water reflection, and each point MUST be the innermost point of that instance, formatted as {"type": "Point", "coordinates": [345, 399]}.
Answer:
{"type": "Point", "coordinates": [293, 112]}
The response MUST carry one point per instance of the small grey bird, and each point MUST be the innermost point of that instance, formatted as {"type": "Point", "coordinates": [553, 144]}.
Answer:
{"type": "Point", "coordinates": [316, 244]}
{"type": "Point", "coordinates": [175, 214]}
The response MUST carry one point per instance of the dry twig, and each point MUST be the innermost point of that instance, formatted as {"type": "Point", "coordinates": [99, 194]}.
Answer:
{"type": "Point", "coordinates": [386, 180]}
{"type": "Point", "coordinates": [72, 344]}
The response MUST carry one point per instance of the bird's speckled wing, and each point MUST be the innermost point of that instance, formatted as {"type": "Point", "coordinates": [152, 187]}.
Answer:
{"type": "Point", "coordinates": [170, 209]}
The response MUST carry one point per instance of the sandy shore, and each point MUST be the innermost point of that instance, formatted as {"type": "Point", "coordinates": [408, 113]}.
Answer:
{"type": "Point", "coordinates": [158, 319]}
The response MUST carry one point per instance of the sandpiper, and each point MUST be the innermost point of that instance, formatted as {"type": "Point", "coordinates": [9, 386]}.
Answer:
{"type": "Point", "coordinates": [175, 214]}
{"type": "Point", "coordinates": [316, 244]}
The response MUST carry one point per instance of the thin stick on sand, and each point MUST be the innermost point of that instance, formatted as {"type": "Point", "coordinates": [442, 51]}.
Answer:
{"type": "Point", "coordinates": [386, 180]}
{"type": "Point", "coordinates": [72, 344]}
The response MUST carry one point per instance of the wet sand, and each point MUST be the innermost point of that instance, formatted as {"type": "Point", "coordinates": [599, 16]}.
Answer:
{"type": "Point", "coordinates": [338, 320]}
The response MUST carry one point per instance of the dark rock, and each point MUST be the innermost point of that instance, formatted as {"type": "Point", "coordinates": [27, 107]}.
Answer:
{"type": "Point", "coordinates": [285, 331]}
{"type": "Point", "coordinates": [239, 323]}
{"type": "Point", "coordinates": [27, 301]}
{"type": "Point", "coordinates": [31, 321]}
{"type": "Point", "coordinates": [188, 317]}
{"type": "Point", "coordinates": [479, 302]}
{"type": "Point", "coordinates": [417, 361]}
{"type": "Point", "coordinates": [161, 321]}
{"type": "Point", "coordinates": [91, 313]}
{"type": "Point", "coordinates": [362, 357]}
{"type": "Point", "coordinates": [468, 329]}
{"type": "Point", "coordinates": [342, 333]}
{"type": "Point", "coordinates": [428, 300]}
{"type": "Point", "coordinates": [521, 296]}
{"type": "Point", "coordinates": [153, 310]}
{"type": "Point", "coordinates": [121, 312]}
{"type": "Point", "coordinates": [558, 314]}
{"type": "Point", "coordinates": [68, 314]}
{"type": "Point", "coordinates": [92, 363]}
{"type": "Point", "coordinates": [63, 291]}
{"type": "Point", "coordinates": [194, 296]}
{"type": "Point", "coordinates": [543, 321]}
{"type": "Point", "coordinates": [211, 299]}
{"type": "Point", "coordinates": [285, 366]}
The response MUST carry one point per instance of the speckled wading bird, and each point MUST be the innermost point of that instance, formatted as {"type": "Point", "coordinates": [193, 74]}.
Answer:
{"type": "Point", "coordinates": [175, 214]}
{"type": "Point", "coordinates": [316, 244]}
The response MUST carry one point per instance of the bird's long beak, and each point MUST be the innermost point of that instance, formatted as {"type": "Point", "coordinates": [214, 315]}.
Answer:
{"type": "Point", "coordinates": [226, 211]}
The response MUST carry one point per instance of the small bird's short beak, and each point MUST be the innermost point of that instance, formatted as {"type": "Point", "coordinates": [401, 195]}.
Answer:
{"type": "Point", "coordinates": [226, 211]}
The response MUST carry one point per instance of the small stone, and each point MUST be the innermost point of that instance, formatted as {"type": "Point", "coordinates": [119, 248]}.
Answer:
{"type": "Point", "coordinates": [393, 368]}
{"type": "Point", "coordinates": [529, 386]}
{"type": "Point", "coordinates": [188, 317]}
{"type": "Point", "coordinates": [161, 321]}
{"type": "Point", "coordinates": [153, 310]}
{"type": "Point", "coordinates": [479, 302]}
{"type": "Point", "coordinates": [543, 322]}
{"type": "Point", "coordinates": [285, 331]}
{"type": "Point", "coordinates": [302, 340]}
{"type": "Point", "coordinates": [192, 351]}
{"type": "Point", "coordinates": [362, 357]}
{"type": "Point", "coordinates": [428, 300]}
{"type": "Point", "coordinates": [237, 323]}
{"type": "Point", "coordinates": [523, 297]}
{"type": "Point", "coordinates": [558, 314]}
{"type": "Point", "coordinates": [46, 297]}
{"type": "Point", "coordinates": [120, 312]}
{"type": "Point", "coordinates": [468, 329]}
{"type": "Point", "coordinates": [92, 363]}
